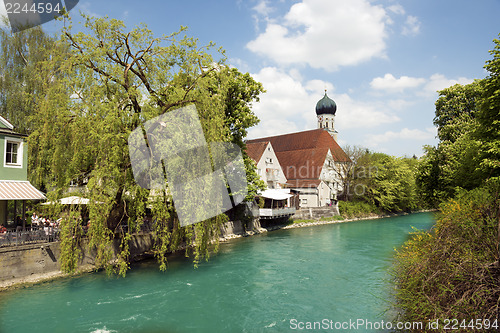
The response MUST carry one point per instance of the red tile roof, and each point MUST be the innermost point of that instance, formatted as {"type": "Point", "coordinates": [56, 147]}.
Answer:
{"type": "Point", "coordinates": [301, 155]}
{"type": "Point", "coordinates": [255, 150]}
{"type": "Point", "coordinates": [303, 163]}
{"type": "Point", "coordinates": [318, 138]}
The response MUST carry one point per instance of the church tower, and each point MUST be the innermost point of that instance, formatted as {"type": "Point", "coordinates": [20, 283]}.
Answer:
{"type": "Point", "coordinates": [325, 110]}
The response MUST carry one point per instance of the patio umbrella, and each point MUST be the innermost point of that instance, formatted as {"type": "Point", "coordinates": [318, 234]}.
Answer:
{"type": "Point", "coordinates": [73, 200]}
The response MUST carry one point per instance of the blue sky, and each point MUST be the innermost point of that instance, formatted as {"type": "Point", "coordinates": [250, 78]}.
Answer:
{"type": "Point", "coordinates": [381, 61]}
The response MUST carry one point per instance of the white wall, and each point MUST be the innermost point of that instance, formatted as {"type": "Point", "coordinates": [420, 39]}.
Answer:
{"type": "Point", "coordinates": [314, 197]}
{"type": "Point", "coordinates": [332, 173]}
{"type": "Point", "coordinates": [270, 161]}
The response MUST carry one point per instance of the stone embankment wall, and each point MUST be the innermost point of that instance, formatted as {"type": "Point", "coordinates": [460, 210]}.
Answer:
{"type": "Point", "coordinates": [316, 213]}
{"type": "Point", "coordinates": [35, 262]}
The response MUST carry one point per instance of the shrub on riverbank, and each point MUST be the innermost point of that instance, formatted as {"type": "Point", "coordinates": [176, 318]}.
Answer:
{"type": "Point", "coordinates": [453, 272]}
{"type": "Point", "coordinates": [354, 209]}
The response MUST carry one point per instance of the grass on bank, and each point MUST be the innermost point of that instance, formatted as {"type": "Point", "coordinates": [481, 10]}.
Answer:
{"type": "Point", "coordinates": [297, 221]}
{"type": "Point", "coordinates": [332, 218]}
{"type": "Point", "coordinates": [452, 272]}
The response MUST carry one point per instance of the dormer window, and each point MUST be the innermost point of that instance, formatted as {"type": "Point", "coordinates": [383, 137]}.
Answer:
{"type": "Point", "coordinates": [13, 156]}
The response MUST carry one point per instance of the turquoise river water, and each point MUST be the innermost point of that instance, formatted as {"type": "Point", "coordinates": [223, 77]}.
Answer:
{"type": "Point", "coordinates": [275, 282]}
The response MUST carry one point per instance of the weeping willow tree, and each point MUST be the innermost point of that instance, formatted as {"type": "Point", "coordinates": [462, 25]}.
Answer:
{"type": "Point", "coordinates": [23, 81]}
{"type": "Point", "coordinates": [113, 82]}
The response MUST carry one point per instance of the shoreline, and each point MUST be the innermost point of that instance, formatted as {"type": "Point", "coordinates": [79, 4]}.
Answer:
{"type": "Point", "coordinates": [354, 219]}
{"type": "Point", "coordinates": [52, 276]}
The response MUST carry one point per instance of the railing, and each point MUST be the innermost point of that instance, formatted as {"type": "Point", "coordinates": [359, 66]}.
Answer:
{"type": "Point", "coordinates": [42, 235]}
{"type": "Point", "coordinates": [269, 213]}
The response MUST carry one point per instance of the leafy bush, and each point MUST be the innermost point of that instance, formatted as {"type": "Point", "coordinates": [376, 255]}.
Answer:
{"type": "Point", "coordinates": [353, 209]}
{"type": "Point", "coordinates": [453, 271]}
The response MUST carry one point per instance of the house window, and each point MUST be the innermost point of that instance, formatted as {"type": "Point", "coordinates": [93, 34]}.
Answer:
{"type": "Point", "coordinates": [13, 153]}
{"type": "Point", "coordinates": [269, 160]}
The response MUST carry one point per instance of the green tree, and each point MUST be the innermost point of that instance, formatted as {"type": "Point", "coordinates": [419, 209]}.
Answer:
{"type": "Point", "coordinates": [454, 162]}
{"type": "Point", "coordinates": [452, 271]}
{"type": "Point", "coordinates": [24, 81]}
{"type": "Point", "coordinates": [118, 80]}
{"type": "Point", "coordinates": [428, 177]}
{"type": "Point", "coordinates": [385, 181]}
{"type": "Point", "coordinates": [392, 187]}
{"type": "Point", "coordinates": [488, 131]}
{"type": "Point", "coordinates": [456, 107]}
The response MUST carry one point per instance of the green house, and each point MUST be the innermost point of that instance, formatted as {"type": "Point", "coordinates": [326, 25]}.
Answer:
{"type": "Point", "coordinates": [14, 184]}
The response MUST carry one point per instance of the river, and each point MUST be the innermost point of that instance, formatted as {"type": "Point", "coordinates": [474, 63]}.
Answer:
{"type": "Point", "coordinates": [274, 282]}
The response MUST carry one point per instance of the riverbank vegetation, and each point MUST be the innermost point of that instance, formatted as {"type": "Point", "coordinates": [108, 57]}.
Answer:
{"type": "Point", "coordinates": [355, 209]}
{"type": "Point", "coordinates": [453, 272]}
{"type": "Point", "coordinates": [379, 184]}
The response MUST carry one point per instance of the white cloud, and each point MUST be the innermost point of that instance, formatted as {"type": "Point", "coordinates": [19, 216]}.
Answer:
{"type": "Point", "coordinates": [412, 26]}
{"type": "Point", "coordinates": [240, 64]}
{"type": "Point", "coordinates": [324, 34]}
{"type": "Point", "coordinates": [438, 82]}
{"type": "Point", "coordinates": [397, 9]}
{"type": "Point", "coordinates": [399, 104]}
{"type": "Point", "coordinates": [356, 114]}
{"type": "Point", "coordinates": [85, 8]}
{"type": "Point", "coordinates": [404, 134]}
{"type": "Point", "coordinates": [289, 105]}
{"type": "Point", "coordinates": [263, 8]}
{"type": "Point", "coordinates": [423, 87]}
{"type": "Point", "coordinates": [389, 83]}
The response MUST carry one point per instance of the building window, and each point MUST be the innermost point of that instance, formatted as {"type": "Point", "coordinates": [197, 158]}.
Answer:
{"type": "Point", "coordinates": [326, 125]}
{"type": "Point", "coordinates": [13, 153]}
{"type": "Point", "coordinates": [269, 160]}
{"type": "Point", "coordinates": [304, 201]}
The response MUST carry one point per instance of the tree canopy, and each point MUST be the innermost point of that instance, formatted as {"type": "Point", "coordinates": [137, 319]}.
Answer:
{"type": "Point", "coordinates": [468, 153]}
{"type": "Point", "coordinates": [24, 80]}
{"type": "Point", "coordinates": [113, 80]}
{"type": "Point", "coordinates": [386, 182]}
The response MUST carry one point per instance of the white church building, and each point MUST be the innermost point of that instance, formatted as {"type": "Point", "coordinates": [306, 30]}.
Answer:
{"type": "Point", "coordinates": [310, 162]}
